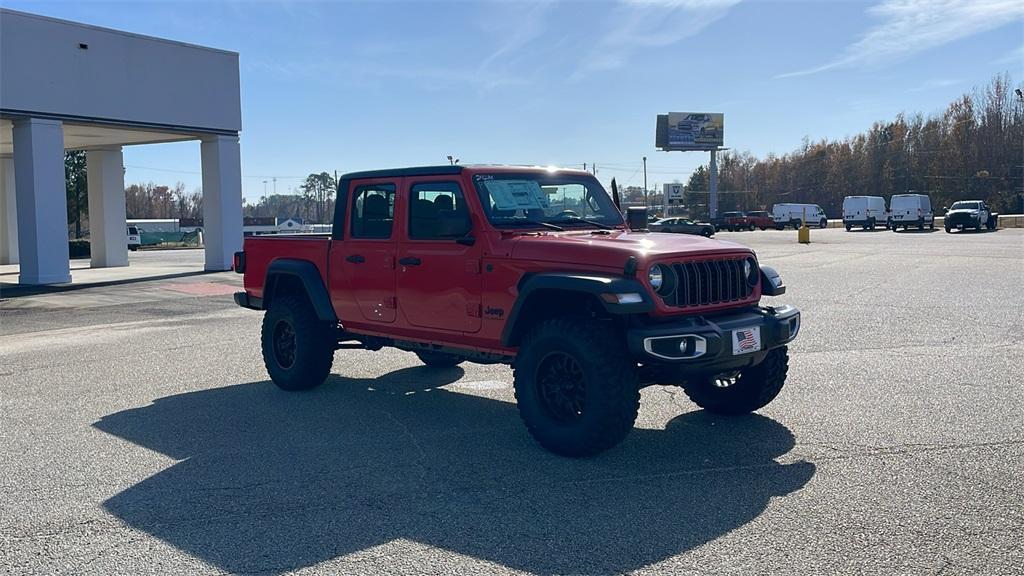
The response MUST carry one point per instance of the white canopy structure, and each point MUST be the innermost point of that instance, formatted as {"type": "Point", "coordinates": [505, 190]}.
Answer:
{"type": "Point", "coordinates": [70, 86]}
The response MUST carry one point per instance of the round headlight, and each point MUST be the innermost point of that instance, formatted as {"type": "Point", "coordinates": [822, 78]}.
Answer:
{"type": "Point", "coordinates": [656, 277]}
{"type": "Point", "coordinates": [751, 271]}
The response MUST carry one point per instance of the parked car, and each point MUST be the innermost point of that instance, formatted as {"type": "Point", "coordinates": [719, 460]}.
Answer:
{"type": "Point", "coordinates": [134, 238]}
{"type": "Point", "coordinates": [911, 210]}
{"type": "Point", "coordinates": [970, 214]}
{"type": "Point", "coordinates": [760, 219]}
{"type": "Point", "coordinates": [864, 211]}
{"type": "Point", "coordinates": [530, 267]}
{"type": "Point", "coordinates": [732, 221]}
{"type": "Point", "coordinates": [682, 226]}
{"type": "Point", "coordinates": [789, 214]}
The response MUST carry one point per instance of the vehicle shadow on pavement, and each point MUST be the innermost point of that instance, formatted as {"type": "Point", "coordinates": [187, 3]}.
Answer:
{"type": "Point", "coordinates": [271, 481]}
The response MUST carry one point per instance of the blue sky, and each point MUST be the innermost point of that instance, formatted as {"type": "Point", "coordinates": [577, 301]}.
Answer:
{"type": "Point", "coordinates": [359, 85]}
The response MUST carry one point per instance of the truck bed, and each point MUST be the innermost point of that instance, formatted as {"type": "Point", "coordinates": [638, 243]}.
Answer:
{"type": "Point", "coordinates": [261, 251]}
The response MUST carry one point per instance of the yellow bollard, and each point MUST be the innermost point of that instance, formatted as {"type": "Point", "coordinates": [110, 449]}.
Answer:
{"type": "Point", "coordinates": [803, 235]}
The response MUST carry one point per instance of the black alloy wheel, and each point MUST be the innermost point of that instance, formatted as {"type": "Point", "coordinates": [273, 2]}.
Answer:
{"type": "Point", "coordinates": [561, 387]}
{"type": "Point", "coordinates": [284, 344]}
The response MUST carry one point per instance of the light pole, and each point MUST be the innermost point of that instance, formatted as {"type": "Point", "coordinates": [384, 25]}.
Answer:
{"type": "Point", "coordinates": [264, 187]}
{"type": "Point", "coordinates": [645, 182]}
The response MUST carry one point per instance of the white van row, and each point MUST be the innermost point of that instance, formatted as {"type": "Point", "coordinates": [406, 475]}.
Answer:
{"type": "Point", "coordinates": [868, 212]}
{"type": "Point", "coordinates": [905, 210]}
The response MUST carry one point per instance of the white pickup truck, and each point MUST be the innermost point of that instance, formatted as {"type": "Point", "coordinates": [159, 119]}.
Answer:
{"type": "Point", "coordinates": [970, 214]}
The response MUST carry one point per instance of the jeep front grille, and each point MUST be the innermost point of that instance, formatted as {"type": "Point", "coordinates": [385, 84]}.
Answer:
{"type": "Point", "coordinates": [709, 282]}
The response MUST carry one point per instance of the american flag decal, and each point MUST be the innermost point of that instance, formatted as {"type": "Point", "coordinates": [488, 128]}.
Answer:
{"type": "Point", "coordinates": [746, 340]}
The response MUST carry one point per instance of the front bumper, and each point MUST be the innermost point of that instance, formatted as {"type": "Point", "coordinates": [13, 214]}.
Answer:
{"type": "Point", "coordinates": [704, 344]}
{"type": "Point", "coordinates": [960, 220]}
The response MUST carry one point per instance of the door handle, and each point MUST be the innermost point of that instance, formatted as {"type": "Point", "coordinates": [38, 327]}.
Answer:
{"type": "Point", "coordinates": [410, 261]}
{"type": "Point", "coordinates": [355, 259]}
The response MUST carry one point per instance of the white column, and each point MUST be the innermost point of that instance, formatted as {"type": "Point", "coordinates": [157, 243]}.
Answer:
{"type": "Point", "coordinates": [222, 200]}
{"type": "Point", "coordinates": [42, 201]}
{"type": "Point", "coordinates": [107, 219]}
{"type": "Point", "coordinates": [8, 214]}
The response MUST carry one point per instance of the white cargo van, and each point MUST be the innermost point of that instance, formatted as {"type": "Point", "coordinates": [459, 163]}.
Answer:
{"type": "Point", "coordinates": [911, 210]}
{"type": "Point", "coordinates": [864, 211]}
{"type": "Point", "coordinates": [793, 215]}
{"type": "Point", "coordinates": [134, 238]}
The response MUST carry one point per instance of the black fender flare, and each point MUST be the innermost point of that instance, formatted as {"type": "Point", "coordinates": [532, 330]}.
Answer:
{"type": "Point", "coordinates": [309, 276]}
{"type": "Point", "coordinates": [590, 284]}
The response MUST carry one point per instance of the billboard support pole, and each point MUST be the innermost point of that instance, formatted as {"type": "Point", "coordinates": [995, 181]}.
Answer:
{"type": "Point", "coordinates": [713, 196]}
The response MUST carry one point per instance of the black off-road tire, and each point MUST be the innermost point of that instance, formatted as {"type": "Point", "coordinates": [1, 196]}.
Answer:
{"type": "Point", "coordinates": [755, 387]}
{"type": "Point", "coordinates": [306, 363]}
{"type": "Point", "coordinates": [949, 230]}
{"type": "Point", "coordinates": [611, 393]}
{"type": "Point", "coordinates": [440, 359]}
{"type": "Point", "coordinates": [849, 227]}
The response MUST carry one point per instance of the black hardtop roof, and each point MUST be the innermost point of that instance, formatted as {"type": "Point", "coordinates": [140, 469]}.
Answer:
{"type": "Point", "coordinates": [398, 172]}
{"type": "Point", "coordinates": [443, 170]}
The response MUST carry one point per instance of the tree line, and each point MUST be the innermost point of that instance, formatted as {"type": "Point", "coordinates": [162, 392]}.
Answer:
{"type": "Point", "coordinates": [974, 149]}
{"type": "Point", "coordinates": [313, 204]}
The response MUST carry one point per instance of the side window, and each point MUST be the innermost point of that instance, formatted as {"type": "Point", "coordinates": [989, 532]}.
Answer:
{"type": "Point", "coordinates": [437, 210]}
{"type": "Point", "coordinates": [373, 211]}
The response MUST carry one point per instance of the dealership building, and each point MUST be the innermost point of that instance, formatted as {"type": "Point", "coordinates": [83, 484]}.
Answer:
{"type": "Point", "coordinates": [70, 86]}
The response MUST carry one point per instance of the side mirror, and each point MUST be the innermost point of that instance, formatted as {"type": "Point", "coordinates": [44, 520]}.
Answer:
{"type": "Point", "coordinates": [636, 218]}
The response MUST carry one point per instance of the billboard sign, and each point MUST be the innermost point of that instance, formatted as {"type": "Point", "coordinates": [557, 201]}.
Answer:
{"type": "Point", "coordinates": [690, 131]}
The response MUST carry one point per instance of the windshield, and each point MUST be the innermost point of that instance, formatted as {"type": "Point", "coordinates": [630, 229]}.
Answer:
{"type": "Point", "coordinates": [965, 206]}
{"type": "Point", "coordinates": [525, 199]}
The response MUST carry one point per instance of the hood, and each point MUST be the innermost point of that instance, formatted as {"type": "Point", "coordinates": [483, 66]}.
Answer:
{"type": "Point", "coordinates": [613, 249]}
{"type": "Point", "coordinates": [967, 211]}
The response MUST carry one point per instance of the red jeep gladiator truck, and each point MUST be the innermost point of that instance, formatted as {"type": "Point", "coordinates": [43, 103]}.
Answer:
{"type": "Point", "coordinates": [530, 267]}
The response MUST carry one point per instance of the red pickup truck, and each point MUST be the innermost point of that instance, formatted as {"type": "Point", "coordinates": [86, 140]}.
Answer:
{"type": "Point", "coordinates": [760, 219]}
{"type": "Point", "coordinates": [530, 267]}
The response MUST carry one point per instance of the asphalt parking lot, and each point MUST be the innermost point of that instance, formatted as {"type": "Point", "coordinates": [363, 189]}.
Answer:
{"type": "Point", "coordinates": [139, 435]}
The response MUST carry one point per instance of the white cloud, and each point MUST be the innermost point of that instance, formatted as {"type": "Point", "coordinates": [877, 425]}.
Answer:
{"type": "Point", "coordinates": [640, 24]}
{"type": "Point", "coordinates": [1015, 56]}
{"type": "Point", "coordinates": [909, 27]}
{"type": "Point", "coordinates": [935, 84]}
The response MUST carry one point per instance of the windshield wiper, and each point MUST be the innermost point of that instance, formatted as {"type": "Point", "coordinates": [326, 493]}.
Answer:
{"type": "Point", "coordinates": [532, 223]}
{"type": "Point", "coordinates": [586, 221]}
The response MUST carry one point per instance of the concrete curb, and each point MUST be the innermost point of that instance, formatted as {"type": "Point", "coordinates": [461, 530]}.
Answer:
{"type": "Point", "coordinates": [1005, 221]}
